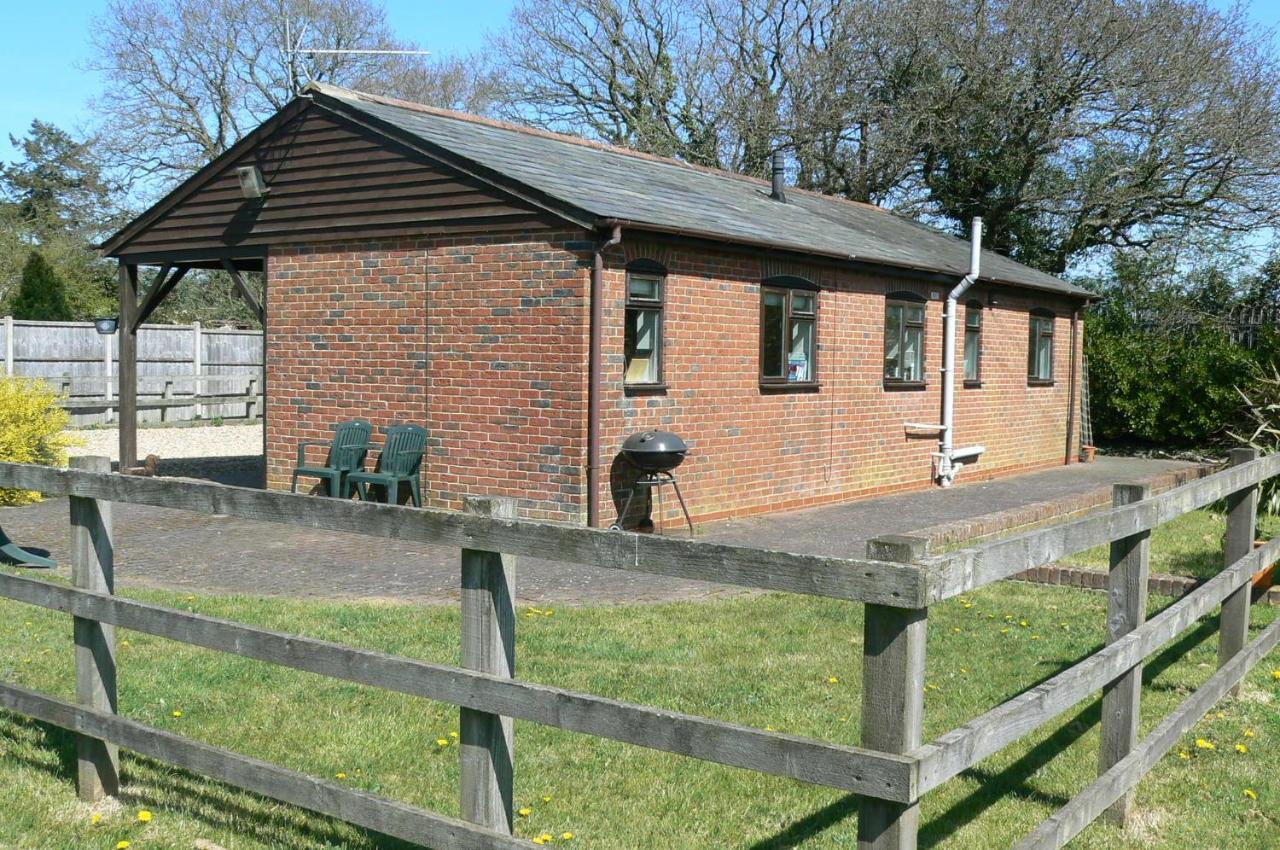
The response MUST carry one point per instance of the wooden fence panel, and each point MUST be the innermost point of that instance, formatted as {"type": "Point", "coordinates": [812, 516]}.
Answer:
{"type": "Point", "coordinates": [74, 356]}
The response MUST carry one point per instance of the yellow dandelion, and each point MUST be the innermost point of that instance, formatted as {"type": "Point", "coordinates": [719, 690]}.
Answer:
{"type": "Point", "coordinates": [96, 819]}
{"type": "Point", "coordinates": [1184, 755]}
{"type": "Point", "coordinates": [177, 713]}
{"type": "Point", "coordinates": [1004, 631]}
{"type": "Point", "coordinates": [1241, 748]}
{"type": "Point", "coordinates": [1251, 794]}
{"type": "Point", "coordinates": [833, 680]}
{"type": "Point", "coordinates": [1248, 733]}
{"type": "Point", "coordinates": [144, 816]}
{"type": "Point", "coordinates": [770, 729]}
{"type": "Point", "coordinates": [957, 629]}
{"type": "Point", "coordinates": [1221, 715]}
{"type": "Point", "coordinates": [453, 735]}
{"type": "Point", "coordinates": [340, 775]}
{"type": "Point", "coordinates": [525, 812]}
{"type": "Point", "coordinates": [1035, 637]}
{"type": "Point", "coordinates": [566, 836]}
{"type": "Point", "coordinates": [546, 798]}
{"type": "Point", "coordinates": [1203, 744]}
{"type": "Point", "coordinates": [547, 837]}
{"type": "Point", "coordinates": [964, 669]}
{"type": "Point", "coordinates": [1275, 674]}
{"type": "Point", "coordinates": [125, 643]}
{"type": "Point", "coordinates": [122, 845]}
{"type": "Point", "coordinates": [548, 613]}
{"type": "Point", "coordinates": [541, 839]}
{"type": "Point", "coordinates": [1023, 623]}
{"type": "Point", "coordinates": [442, 742]}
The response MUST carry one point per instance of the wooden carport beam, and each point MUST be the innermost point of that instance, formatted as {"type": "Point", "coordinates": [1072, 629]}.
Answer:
{"type": "Point", "coordinates": [245, 292]}
{"type": "Point", "coordinates": [160, 289]}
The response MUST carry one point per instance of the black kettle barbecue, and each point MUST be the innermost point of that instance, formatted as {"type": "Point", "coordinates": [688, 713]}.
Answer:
{"type": "Point", "coordinates": [655, 454]}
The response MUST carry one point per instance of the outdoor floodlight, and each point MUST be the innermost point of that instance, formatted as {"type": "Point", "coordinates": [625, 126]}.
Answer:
{"type": "Point", "coordinates": [252, 185]}
{"type": "Point", "coordinates": [106, 326]}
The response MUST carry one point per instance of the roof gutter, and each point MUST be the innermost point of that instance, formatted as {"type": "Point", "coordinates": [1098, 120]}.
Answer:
{"type": "Point", "coordinates": [594, 374]}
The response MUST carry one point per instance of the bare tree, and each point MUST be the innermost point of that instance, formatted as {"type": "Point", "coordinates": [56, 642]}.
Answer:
{"type": "Point", "coordinates": [186, 78]}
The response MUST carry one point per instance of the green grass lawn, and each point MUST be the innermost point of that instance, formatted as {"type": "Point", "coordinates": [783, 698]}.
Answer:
{"type": "Point", "coordinates": [763, 660]}
{"type": "Point", "coordinates": [1190, 545]}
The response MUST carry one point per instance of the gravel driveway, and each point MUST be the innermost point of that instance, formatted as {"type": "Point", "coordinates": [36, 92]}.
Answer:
{"type": "Point", "coordinates": [193, 441]}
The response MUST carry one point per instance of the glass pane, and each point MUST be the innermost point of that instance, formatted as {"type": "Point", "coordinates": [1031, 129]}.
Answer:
{"type": "Point", "coordinates": [802, 304]}
{"type": "Point", "coordinates": [893, 342]}
{"type": "Point", "coordinates": [912, 354]}
{"type": "Point", "coordinates": [973, 317]}
{"type": "Point", "coordinates": [643, 288]}
{"type": "Point", "coordinates": [972, 340]}
{"type": "Point", "coordinates": [641, 345]}
{"type": "Point", "coordinates": [915, 313]}
{"type": "Point", "coordinates": [1044, 358]}
{"type": "Point", "coordinates": [773, 323]}
{"type": "Point", "coordinates": [800, 355]}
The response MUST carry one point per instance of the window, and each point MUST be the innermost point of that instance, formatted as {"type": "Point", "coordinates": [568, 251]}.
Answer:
{"type": "Point", "coordinates": [973, 343]}
{"type": "Point", "coordinates": [642, 334]}
{"type": "Point", "coordinates": [1040, 348]}
{"type": "Point", "coordinates": [904, 340]}
{"type": "Point", "coordinates": [788, 332]}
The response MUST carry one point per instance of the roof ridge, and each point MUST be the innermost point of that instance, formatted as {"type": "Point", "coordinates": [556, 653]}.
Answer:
{"type": "Point", "coordinates": [569, 138]}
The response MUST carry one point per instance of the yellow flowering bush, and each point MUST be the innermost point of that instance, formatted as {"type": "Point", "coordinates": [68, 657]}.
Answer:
{"type": "Point", "coordinates": [31, 426]}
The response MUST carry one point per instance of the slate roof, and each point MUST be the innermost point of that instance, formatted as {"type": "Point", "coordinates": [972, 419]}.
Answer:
{"type": "Point", "coordinates": [614, 183]}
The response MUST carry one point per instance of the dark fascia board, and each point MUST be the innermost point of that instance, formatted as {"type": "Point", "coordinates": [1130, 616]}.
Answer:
{"type": "Point", "coordinates": [112, 246]}
{"type": "Point", "coordinates": [503, 183]}
{"type": "Point", "coordinates": [843, 261]}
{"type": "Point", "coordinates": [247, 258]}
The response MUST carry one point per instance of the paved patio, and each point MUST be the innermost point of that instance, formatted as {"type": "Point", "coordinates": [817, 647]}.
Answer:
{"type": "Point", "coordinates": [162, 548]}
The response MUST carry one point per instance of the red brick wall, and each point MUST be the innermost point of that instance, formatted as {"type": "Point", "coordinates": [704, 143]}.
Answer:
{"type": "Point", "coordinates": [482, 340]}
{"type": "Point", "coordinates": [755, 450]}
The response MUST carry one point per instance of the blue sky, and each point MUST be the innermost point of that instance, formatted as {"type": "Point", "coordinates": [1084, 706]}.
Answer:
{"type": "Point", "coordinates": [45, 42]}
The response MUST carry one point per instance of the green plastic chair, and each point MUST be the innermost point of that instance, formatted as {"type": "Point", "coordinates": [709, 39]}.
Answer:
{"type": "Point", "coordinates": [399, 461]}
{"type": "Point", "coordinates": [12, 553]}
{"type": "Point", "coordinates": [347, 451]}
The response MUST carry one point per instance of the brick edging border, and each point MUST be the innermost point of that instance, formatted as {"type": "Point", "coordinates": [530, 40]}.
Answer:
{"type": "Point", "coordinates": [1161, 583]}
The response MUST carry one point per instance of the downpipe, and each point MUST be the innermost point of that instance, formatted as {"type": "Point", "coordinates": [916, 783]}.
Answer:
{"type": "Point", "coordinates": [594, 371]}
{"type": "Point", "coordinates": [948, 459]}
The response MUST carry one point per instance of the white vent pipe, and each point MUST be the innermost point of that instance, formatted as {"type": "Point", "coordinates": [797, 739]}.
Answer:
{"type": "Point", "coordinates": [949, 459]}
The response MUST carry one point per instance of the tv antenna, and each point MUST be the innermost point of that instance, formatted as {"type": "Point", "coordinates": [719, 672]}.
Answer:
{"type": "Point", "coordinates": [293, 48]}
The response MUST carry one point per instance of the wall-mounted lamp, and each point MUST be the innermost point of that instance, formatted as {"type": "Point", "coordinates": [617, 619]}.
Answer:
{"type": "Point", "coordinates": [106, 326]}
{"type": "Point", "coordinates": [252, 185]}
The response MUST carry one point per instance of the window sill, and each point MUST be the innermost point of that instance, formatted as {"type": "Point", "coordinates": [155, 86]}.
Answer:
{"type": "Point", "coordinates": [904, 386]}
{"type": "Point", "coordinates": [973, 385]}
{"type": "Point", "coordinates": [789, 386]}
{"type": "Point", "coordinates": [1039, 382]}
{"type": "Point", "coordinates": [644, 389]}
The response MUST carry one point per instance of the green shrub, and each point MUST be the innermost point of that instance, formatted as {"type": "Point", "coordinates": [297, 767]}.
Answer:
{"type": "Point", "coordinates": [42, 293]}
{"type": "Point", "coordinates": [31, 430]}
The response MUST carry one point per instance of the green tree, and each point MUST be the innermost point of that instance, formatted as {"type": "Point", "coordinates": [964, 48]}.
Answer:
{"type": "Point", "coordinates": [41, 295]}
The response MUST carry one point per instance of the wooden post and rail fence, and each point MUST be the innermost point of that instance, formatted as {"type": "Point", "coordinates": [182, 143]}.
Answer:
{"type": "Point", "coordinates": [897, 582]}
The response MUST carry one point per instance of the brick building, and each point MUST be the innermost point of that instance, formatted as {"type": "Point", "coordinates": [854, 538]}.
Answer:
{"type": "Point", "coordinates": [445, 270]}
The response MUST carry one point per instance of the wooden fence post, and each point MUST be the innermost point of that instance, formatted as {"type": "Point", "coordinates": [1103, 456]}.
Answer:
{"type": "Point", "coordinates": [251, 400]}
{"type": "Point", "coordinates": [8, 345]}
{"type": "Point", "coordinates": [1126, 610]}
{"type": "Point", "coordinates": [893, 660]}
{"type": "Point", "coordinates": [489, 646]}
{"type": "Point", "coordinates": [93, 568]}
{"type": "Point", "coordinates": [1242, 509]}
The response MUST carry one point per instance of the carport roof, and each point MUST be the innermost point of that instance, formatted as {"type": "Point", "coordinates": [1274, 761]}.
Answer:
{"type": "Point", "coordinates": [649, 192]}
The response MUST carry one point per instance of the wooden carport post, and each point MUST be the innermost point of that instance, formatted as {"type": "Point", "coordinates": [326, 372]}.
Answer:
{"type": "Point", "coordinates": [128, 365]}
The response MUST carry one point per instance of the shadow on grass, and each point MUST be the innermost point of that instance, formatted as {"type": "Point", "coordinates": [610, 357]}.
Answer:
{"type": "Point", "coordinates": [811, 824]}
{"type": "Point", "coordinates": [217, 805]}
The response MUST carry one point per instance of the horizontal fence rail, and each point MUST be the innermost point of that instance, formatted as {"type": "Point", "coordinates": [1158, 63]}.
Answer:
{"type": "Point", "coordinates": [832, 765]}
{"type": "Point", "coordinates": [898, 582]}
{"type": "Point", "coordinates": [970, 568]}
{"type": "Point", "coordinates": [855, 579]}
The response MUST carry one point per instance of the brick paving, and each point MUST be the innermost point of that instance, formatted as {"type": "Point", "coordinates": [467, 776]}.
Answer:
{"type": "Point", "coordinates": [162, 548]}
